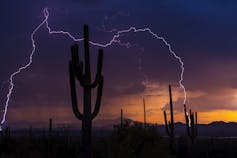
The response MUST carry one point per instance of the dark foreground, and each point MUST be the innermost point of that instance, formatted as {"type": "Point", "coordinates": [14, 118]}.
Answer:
{"type": "Point", "coordinates": [130, 143]}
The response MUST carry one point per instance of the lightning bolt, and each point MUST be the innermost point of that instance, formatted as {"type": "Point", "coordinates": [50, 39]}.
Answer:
{"type": "Point", "coordinates": [114, 40]}
{"type": "Point", "coordinates": [14, 74]}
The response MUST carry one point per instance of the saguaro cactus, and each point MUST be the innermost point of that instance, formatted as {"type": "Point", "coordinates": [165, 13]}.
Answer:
{"type": "Point", "coordinates": [50, 127]}
{"type": "Point", "coordinates": [30, 131]}
{"type": "Point", "coordinates": [7, 132]}
{"type": "Point", "coordinates": [84, 78]}
{"type": "Point", "coordinates": [144, 111]}
{"type": "Point", "coordinates": [191, 124]}
{"type": "Point", "coordinates": [170, 126]}
{"type": "Point", "coordinates": [121, 118]}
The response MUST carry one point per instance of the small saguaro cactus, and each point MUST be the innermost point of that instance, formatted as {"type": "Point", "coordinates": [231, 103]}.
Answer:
{"type": "Point", "coordinates": [50, 127]}
{"type": "Point", "coordinates": [83, 75]}
{"type": "Point", "coordinates": [170, 126]}
{"type": "Point", "coordinates": [121, 118]}
{"type": "Point", "coordinates": [30, 131]}
{"type": "Point", "coordinates": [8, 132]}
{"type": "Point", "coordinates": [144, 111]}
{"type": "Point", "coordinates": [191, 124]}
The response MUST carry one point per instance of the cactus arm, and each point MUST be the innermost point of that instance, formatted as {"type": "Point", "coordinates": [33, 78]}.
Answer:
{"type": "Point", "coordinates": [99, 68]}
{"type": "Point", "coordinates": [77, 64]}
{"type": "Point", "coordinates": [80, 70]}
{"type": "Point", "coordinates": [73, 92]}
{"type": "Point", "coordinates": [166, 124]}
{"type": "Point", "coordinates": [74, 54]}
{"type": "Point", "coordinates": [98, 98]}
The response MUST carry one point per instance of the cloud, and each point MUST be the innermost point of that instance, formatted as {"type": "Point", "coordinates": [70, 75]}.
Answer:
{"type": "Point", "coordinates": [131, 88]}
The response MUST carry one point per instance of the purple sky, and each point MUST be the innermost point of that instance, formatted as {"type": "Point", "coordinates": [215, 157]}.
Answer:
{"type": "Point", "coordinates": [202, 32]}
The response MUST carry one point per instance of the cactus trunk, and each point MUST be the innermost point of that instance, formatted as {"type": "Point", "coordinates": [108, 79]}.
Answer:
{"type": "Point", "coordinates": [86, 119]}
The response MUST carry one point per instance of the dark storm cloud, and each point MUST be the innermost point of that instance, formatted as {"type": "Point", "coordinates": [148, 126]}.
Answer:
{"type": "Point", "coordinates": [122, 90]}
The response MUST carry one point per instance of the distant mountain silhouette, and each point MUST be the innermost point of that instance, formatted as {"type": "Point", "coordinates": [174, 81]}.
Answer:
{"type": "Point", "coordinates": [213, 129]}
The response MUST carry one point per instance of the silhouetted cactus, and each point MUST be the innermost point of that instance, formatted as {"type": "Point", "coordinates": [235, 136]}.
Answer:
{"type": "Point", "coordinates": [30, 131]}
{"type": "Point", "coordinates": [6, 135]}
{"type": "Point", "coordinates": [191, 124]}
{"type": "Point", "coordinates": [50, 127]}
{"type": "Point", "coordinates": [121, 118]}
{"type": "Point", "coordinates": [170, 126]}
{"type": "Point", "coordinates": [7, 132]}
{"type": "Point", "coordinates": [144, 111]}
{"type": "Point", "coordinates": [84, 78]}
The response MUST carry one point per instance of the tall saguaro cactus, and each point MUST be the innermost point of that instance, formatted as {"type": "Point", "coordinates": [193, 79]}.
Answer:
{"type": "Point", "coordinates": [83, 75]}
{"type": "Point", "coordinates": [170, 126]}
{"type": "Point", "coordinates": [144, 111]}
{"type": "Point", "coordinates": [191, 124]}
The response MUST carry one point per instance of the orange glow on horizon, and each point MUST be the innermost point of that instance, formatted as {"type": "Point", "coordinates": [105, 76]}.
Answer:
{"type": "Point", "coordinates": [156, 97]}
{"type": "Point", "coordinates": [203, 117]}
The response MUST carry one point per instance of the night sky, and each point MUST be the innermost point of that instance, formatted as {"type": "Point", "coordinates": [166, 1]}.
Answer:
{"type": "Point", "coordinates": [202, 32]}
